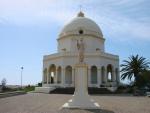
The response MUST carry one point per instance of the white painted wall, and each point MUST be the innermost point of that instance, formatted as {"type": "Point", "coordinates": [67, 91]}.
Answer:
{"type": "Point", "coordinates": [91, 43]}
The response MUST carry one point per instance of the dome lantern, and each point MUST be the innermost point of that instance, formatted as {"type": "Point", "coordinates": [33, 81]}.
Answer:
{"type": "Point", "coordinates": [80, 14]}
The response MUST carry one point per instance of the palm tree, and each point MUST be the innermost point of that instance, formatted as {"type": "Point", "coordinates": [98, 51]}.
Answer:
{"type": "Point", "coordinates": [133, 67]}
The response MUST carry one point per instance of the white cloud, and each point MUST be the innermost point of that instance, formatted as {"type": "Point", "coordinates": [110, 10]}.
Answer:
{"type": "Point", "coordinates": [123, 23]}
{"type": "Point", "coordinates": [114, 16]}
{"type": "Point", "coordinates": [125, 27]}
{"type": "Point", "coordinates": [28, 12]}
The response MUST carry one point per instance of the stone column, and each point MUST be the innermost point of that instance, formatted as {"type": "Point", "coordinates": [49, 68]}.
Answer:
{"type": "Point", "coordinates": [113, 76]}
{"type": "Point", "coordinates": [99, 77]}
{"type": "Point", "coordinates": [73, 76]}
{"type": "Point", "coordinates": [43, 78]}
{"type": "Point", "coordinates": [47, 74]}
{"type": "Point", "coordinates": [118, 77]}
{"type": "Point", "coordinates": [63, 76]}
{"type": "Point", "coordinates": [89, 77]}
{"type": "Point", "coordinates": [56, 76]}
{"type": "Point", "coordinates": [105, 75]}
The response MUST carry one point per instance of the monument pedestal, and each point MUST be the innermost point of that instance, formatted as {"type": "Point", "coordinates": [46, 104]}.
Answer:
{"type": "Point", "coordinates": [81, 99]}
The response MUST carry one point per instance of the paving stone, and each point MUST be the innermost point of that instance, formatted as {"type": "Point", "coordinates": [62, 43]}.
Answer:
{"type": "Point", "coordinates": [51, 103]}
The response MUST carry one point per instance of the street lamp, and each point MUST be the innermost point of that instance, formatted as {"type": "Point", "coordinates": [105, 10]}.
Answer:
{"type": "Point", "coordinates": [21, 76]}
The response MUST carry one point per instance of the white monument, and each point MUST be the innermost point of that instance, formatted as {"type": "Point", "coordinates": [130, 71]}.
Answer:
{"type": "Point", "coordinates": [81, 98]}
{"type": "Point", "coordinates": [59, 69]}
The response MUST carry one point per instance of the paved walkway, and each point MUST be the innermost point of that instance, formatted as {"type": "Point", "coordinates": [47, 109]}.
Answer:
{"type": "Point", "coordinates": [51, 103]}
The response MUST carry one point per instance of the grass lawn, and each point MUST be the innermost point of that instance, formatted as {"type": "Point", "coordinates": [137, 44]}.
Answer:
{"type": "Point", "coordinates": [28, 88]}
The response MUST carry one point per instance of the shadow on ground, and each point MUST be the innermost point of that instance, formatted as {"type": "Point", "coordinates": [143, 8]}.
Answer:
{"type": "Point", "coordinates": [85, 111]}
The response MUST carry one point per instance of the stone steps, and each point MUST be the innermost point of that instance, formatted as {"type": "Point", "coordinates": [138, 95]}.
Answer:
{"type": "Point", "coordinates": [63, 91]}
{"type": "Point", "coordinates": [43, 89]}
{"type": "Point", "coordinates": [90, 90]}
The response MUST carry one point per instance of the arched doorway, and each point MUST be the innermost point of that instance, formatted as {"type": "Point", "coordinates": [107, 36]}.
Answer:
{"type": "Point", "coordinates": [109, 73]}
{"type": "Point", "coordinates": [103, 74]}
{"type": "Point", "coordinates": [93, 75]}
{"type": "Point", "coordinates": [59, 74]}
{"type": "Point", "coordinates": [52, 73]}
{"type": "Point", "coordinates": [68, 75]}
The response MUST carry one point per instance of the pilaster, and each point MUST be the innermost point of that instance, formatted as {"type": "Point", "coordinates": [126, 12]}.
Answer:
{"type": "Point", "coordinates": [99, 77]}
{"type": "Point", "coordinates": [73, 76]}
{"type": "Point", "coordinates": [105, 76]}
{"type": "Point", "coordinates": [89, 77]}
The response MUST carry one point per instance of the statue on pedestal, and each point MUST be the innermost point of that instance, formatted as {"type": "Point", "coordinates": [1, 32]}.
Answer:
{"type": "Point", "coordinates": [81, 99]}
{"type": "Point", "coordinates": [80, 46]}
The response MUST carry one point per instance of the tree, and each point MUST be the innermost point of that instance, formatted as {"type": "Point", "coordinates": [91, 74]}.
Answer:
{"type": "Point", "coordinates": [144, 79]}
{"type": "Point", "coordinates": [39, 84]}
{"type": "Point", "coordinates": [3, 82]}
{"type": "Point", "coordinates": [134, 67]}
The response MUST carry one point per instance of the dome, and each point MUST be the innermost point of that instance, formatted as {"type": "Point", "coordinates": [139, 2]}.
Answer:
{"type": "Point", "coordinates": [81, 23]}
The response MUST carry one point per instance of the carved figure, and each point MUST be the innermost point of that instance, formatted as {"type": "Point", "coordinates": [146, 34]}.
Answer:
{"type": "Point", "coordinates": [80, 46]}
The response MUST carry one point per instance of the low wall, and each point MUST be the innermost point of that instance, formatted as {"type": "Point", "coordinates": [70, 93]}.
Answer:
{"type": "Point", "coordinates": [8, 94]}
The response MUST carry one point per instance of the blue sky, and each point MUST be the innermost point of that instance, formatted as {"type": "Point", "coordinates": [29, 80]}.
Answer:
{"type": "Point", "coordinates": [29, 29]}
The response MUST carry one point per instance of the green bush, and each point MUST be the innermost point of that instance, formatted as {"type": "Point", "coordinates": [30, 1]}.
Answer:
{"type": "Point", "coordinates": [28, 88]}
{"type": "Point", "coordinates": [39, 84]}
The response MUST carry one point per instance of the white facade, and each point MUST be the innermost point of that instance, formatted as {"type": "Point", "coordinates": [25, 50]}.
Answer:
{"type": "Point", "coordinates": [59, 68]}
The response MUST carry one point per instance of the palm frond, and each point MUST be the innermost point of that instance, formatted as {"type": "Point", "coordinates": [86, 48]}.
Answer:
{"type": "Point", "coordinates": [133, 66]}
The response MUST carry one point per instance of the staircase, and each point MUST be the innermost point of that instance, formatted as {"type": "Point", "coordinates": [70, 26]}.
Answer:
{"type": "Point", "coordinates": [71, 90]}
{"type": "Point", "coordinates": [43, 89]}
{"type": "Point", "coordinates": [92, 90]}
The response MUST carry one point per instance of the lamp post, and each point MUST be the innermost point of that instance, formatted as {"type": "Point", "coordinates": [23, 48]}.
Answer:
{"type": "Point", "coordinates": [21, 76]}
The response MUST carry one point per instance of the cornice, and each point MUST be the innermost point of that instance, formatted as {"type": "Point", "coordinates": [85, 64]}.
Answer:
{"type": "Point", "coordinates": [87, 55]}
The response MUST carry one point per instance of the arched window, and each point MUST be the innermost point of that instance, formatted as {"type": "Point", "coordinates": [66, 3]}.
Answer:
{"type": "Point", "coordinates": [109, 73]}
{"type": "Point", "coordinates": [103, 74]}
{"type": "Point", "coordinates": [52, 73]}
{"type": "Point", "coordinates": [80, 31]}
{"type": "Point", "coordinates": [94, 75]}
{"type": "Point", "coordinates": [68, 75]}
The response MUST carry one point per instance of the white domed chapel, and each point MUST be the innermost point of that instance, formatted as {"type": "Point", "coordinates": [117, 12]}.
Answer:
{"type": "Point", "coordinates": [59, 68]}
